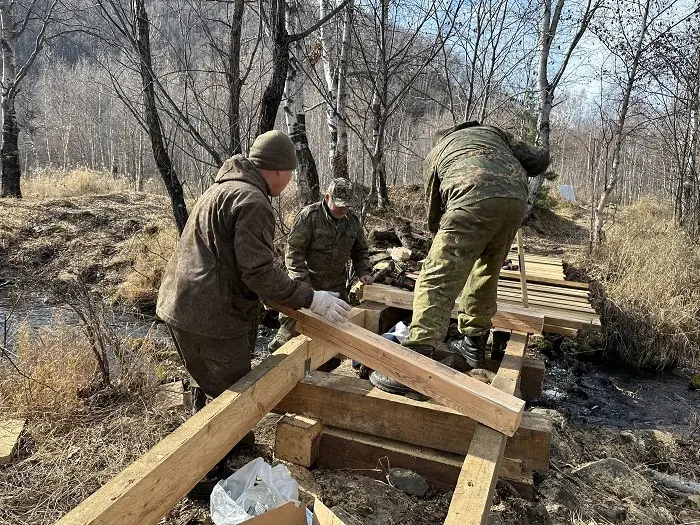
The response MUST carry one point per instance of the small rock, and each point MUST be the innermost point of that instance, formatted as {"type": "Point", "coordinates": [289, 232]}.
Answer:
{"type": "Point", "coordinates": [627, 436]}
{"type": "Point", "coordinates": [615, 477]}
{"type": "Point", "coordinates": [171, 396]}
{"type": "Point", "coordinates": [483, 375]}
{"type": "Point", "coordinates": [558, 419]}
{"type": "Point", "coordinates": [408, 481]}
{"type": "Point", "coordinates": [456, 362]}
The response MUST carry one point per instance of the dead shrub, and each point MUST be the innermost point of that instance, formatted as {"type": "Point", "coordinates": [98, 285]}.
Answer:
{"type": "Point", "coordinates": [648, 269]}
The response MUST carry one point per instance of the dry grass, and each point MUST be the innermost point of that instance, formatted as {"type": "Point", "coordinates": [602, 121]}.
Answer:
{"type": "Point", "coordinates": [151, 251]}
{"type": "Point", "coordinates": [53, 184]}
{"type": "Point", "coordinates": [650, 271]}
{"type": "Point", "coordinates": [74, 441]}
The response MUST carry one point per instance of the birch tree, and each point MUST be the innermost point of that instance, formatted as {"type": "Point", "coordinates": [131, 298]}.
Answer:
{"type": "Point", "coordinates": [634, 31]}
{"type": "Point", "coordinates": [547, 84]}
{"type": "Point", "coordinates": [294, 111]}
{"type": "Point", "coordinates": [335, 56]}
{"type": "Point", "coordinates": [18, 21]}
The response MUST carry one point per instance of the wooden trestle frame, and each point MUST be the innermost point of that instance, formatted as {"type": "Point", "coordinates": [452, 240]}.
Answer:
{"type": "Point", "coordinates": [147, 489]}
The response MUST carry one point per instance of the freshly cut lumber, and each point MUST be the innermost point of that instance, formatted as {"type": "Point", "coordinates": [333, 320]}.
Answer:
{"type": "Point", "coordinates": [449, 387]}
{"type": "Point", "coordinates": [10, 431]}
{"type": "Point", "coordinates": [477, 479]}
{"type": "Point", "coordinates": [345, 449]}
{"type": "Point", "coordinates": [515, 276]}
{"type": "Point", "coordinates": [144, 492]}
{"type": "Point", "coordinates": [297, 439]}
{"type": "Point", "coordinates": [509, 317]}
{"type": "Point", "coordinates": [354, 404]}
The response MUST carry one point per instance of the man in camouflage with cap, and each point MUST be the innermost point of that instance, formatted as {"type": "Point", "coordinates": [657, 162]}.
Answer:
{"type": "Point", "coordinates": [324, 236]}
{"type": "Point", "coordinates": [476, 180]}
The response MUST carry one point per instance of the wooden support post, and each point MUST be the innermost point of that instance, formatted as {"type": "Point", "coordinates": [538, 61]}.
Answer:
{"type": "Point", "coordinates": [372, 455]}
{"type": "Point", "coordinates": [144, 492]}
{"type": "Point", "coordinates": [477, 480]}
{"type": "Point", "coordinates": [521, 267]}
{"type": "Point", "coordinates": [354, 404]}
{"type": "Point", "coordinates": [508, 317]}
{"type": "Point", "coordinates": [481, 402]}
{"type": "Point", "coordinates": [297, 439]}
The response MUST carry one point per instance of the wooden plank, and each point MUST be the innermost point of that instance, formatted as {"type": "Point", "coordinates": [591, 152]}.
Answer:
{"type": "Point", "coordinates": [477, 479]}
{"type": "Point", "coordinates": [144, 492]}
{"type": "Point", "coordinates": [553, 318]}
{"type": "Point", "coordinates": [354, 404]}
{"type": "Point", "coordinates": [449, 387]}
{"type": "Point", "coordinates": [297, 439]}
{"type": "Point", "coordinates": [507, 316]}
{"type": "Point", "coordinates": [374, 456]}
{"type": "Point", "coordinates": [10, 431]}
{"type": "Point", "coordinates": [515, 276]}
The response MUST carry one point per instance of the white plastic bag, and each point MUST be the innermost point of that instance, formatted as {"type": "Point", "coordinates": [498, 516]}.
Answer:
{"type": "Point", "coordinates": [253, 489]}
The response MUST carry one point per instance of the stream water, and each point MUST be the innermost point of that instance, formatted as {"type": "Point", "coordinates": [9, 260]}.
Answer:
{"type": "Point", "coordinates": [36, 309]}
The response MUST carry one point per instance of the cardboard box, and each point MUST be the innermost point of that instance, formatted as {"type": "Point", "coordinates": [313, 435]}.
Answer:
{"type": "Point", "coordinates": [291, 514]}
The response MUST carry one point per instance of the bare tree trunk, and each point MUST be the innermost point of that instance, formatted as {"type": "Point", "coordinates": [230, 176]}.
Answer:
{"type": "Point", "coordinates": [294, 111]}
{"type": "Point", "coordinates": [153, 124]}
{"type": "Point", "coordinates": [548, 30]}
{"type": "Point", "coordinates": [234, 78]}
{"type": "Point", "coordinates": [10, 131]}
{"type": "Point", "coordinates": [619, 130]}
{"type": "Point", "coordinates": [272, 97]}
{"type": "Point", "coordinates": [339, 160]}
{"type": "Point", "coordinates": [330, 71]}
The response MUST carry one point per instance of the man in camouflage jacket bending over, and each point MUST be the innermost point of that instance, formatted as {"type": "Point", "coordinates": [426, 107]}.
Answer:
{"type": "Point", "coordinates": [476, 191]}
{"type": "Point", "coordinates": [324, 236]}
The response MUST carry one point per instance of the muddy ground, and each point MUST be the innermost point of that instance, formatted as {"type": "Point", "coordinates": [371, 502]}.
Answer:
{"type": "Point", "coordinates": [648, 421]}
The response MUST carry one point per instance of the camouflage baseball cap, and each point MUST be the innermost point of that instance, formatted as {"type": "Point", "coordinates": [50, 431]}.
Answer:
{"type": "Point", "coordinates": [340, 190]}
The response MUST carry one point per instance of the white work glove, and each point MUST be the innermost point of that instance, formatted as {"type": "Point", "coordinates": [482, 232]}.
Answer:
{"type": "Point", "coordinates": [330, 306]}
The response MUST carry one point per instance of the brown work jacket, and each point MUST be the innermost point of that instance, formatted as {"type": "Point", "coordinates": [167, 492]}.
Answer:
{"type": "Point", "coordinates": [224, 263]}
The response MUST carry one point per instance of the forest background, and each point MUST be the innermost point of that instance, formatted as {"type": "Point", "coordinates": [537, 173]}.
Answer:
{"type": "Point", "coordinates": [156, 91]}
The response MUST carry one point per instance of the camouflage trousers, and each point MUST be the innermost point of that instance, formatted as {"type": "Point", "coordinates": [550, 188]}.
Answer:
{"type": "Point", "coordinates": [287, 328]}
{"type": "Point", "coordinates": [465, 258]}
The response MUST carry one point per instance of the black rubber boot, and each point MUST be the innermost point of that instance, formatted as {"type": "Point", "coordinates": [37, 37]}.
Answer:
{"type": "Point", "coordinates": [471, 348]}
{"type": "Point", "coordinates": [498, 346]}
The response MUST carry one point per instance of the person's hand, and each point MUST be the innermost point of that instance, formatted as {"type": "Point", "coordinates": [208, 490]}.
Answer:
{"type": "Point", "coordinates": [329, 306]}
{"type": "Point", "coordinates": [367, 279]}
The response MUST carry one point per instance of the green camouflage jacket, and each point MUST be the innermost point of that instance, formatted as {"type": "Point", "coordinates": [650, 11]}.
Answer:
{"type": "Point", "coordinates": [319, 246]}
{"type": "Point", "coordinates": [471, 162]}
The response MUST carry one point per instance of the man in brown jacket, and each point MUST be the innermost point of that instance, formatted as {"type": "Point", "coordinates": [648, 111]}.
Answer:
{"type": "Point", "coordinates": [224, 266]}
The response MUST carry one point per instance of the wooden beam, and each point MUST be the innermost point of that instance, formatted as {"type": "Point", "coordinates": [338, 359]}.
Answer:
{"type": "Point", "coordinates": [372, 455]}
{"type": "Point", "coordinates": [508, 317]}
{"type": "Point", "coordinates": [354, 404]}
{"type": "Point", "coordinates": [533, 320]}
{"type": "Point", "coordinates": [144, 492]}
{"type": "Point", "coordinates": [297, 439]}
{"type": "Point", "coordinates": [515, 276]}
{"type": "Point", "coordinates": [477, 480]}
{"type": "Point", "coordinates": [449, 387]}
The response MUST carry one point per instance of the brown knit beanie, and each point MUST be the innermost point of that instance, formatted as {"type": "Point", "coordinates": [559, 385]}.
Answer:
{"type": "Point", "coordinates": [273, 150]}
